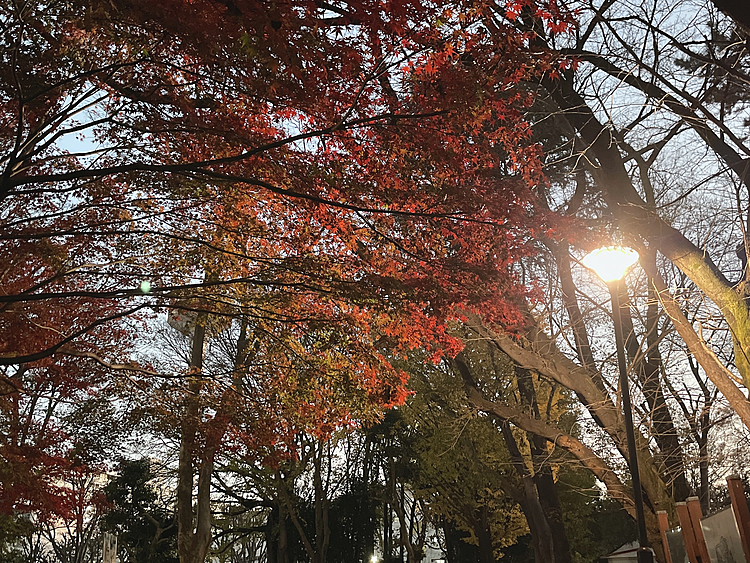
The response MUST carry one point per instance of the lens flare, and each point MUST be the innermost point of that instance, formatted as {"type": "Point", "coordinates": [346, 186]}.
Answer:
{"type": "Point", "coordinates": [611, 262]}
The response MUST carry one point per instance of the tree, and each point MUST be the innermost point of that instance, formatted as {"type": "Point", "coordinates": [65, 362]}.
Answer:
{"type": "Point", "coordinates": [696, 113]}
{"type": "Point", "coordinates": [144, 524]}
{"type": "Point", "coordinates": [318, 181]}
{"type": "Point", "coordinates": [323, 187]}
{"type": "Point", "coordinates": [636, 213]}
{"type": "Point", "coordinates": [504, 488]}
{"type": "Point", "coordinates": [617, 120]}
{"type": "Point", "coordinates": [242, 170]}
{"type": "Point", "coordinates": [59, 428]}
{"type": "Point", "coordinates": [461, 473]}
{"type": "Point", "coordinates": [76, 538]}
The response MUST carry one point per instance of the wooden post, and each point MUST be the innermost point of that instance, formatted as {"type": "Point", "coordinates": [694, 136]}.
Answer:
{"type": "Point", "coordinates": [663, 529]}
{"type": "Point", "coordinates": [741, 512]}
{"type": "Point", "coordinates": [688, 536]}
{"type": "Point", "coordinates": [109, 550]}
{"type": "Point", "coordinates": [694, 509]}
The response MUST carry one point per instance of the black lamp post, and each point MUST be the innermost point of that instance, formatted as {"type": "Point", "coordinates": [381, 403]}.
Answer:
{"type": "Point", "coordinates": [610, 264]}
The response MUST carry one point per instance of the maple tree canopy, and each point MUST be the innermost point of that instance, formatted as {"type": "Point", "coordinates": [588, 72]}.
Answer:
{"type": "Point", "coordinates": [343, 176]}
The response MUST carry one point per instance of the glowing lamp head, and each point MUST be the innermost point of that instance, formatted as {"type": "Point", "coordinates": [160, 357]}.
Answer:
{"type": "Point", "coordinates": [610, 263]}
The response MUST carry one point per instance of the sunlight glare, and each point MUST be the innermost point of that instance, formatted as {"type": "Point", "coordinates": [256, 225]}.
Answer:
{"type": "Point", "coordinates": [611, 262]}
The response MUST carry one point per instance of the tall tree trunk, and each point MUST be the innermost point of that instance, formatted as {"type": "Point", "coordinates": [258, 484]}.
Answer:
{"type": "Point", "coordinates": [398, 507]}
{"type": "Point", "coordinates": [283, 553]}
{"type": "Point", "coordinates": [286, 498]}
{"type": "Point", "coordinates": [484, 538]}
{"type": "Point", "coordinates": [194, 522]}
{"type": "Point", "coordinates": [322, 529]}
{"type": "Point", "coordinates": [455, 547]}
{"type": "Point", "coordinates": [541, 533]}
{"type": "Point", "coordinates": [271, 534]}
{"type": "Point", "coordinates": [543, 478]}
{"type": "Point", "coordinates": [700, 427]}
{"type": "Point", "coordinates": [387, 532]}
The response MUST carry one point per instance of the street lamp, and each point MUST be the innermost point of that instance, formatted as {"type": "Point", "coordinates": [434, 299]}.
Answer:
{"type": "Point", "coordinates": [610, 264]}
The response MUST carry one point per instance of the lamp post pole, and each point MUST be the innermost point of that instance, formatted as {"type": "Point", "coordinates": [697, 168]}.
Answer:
{"type": "Point", "coordinates": [610, 264]}
{"type": "Point", "coordinates": [644, 553]}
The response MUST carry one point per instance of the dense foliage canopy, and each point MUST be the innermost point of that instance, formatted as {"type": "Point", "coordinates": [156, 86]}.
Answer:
{"type": "Point", "coordinates": [231, 230]}
{"type": "Point", "coordinates": [320, 181]}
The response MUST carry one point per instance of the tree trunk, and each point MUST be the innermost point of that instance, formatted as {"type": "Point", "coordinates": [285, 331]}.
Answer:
{"type": "Point", "coordinates": [705, 489]}
{"type": "Point", "coordinates": [193, 523]}
{"type": "Point", "coordinates": [398, 507]}
{"type": "Point", "coordinates": [541, 533]}
{"type": "Point", "coordinates": [287, 500]}
{"type": "Point", "coordinates": [484, 537]}
{"type": "Point", "coordinates": [387, 533]}
{"type": "Point", "coordinates": [543, 478]}
{"type": "Point", "coordinates": [271, 535]}
{"type": "Point", "coordinates": [455, 548]}
{"type": "Point", "coordinates": [283, 552]}
{"type": "Point", "coordinates": [322, 529]}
